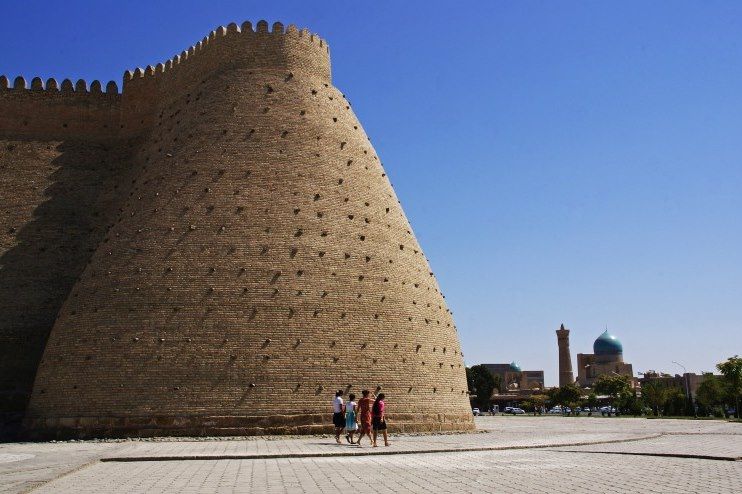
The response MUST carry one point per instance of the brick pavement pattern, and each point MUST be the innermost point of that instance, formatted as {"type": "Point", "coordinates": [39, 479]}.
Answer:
{"type": "Point", "coordinates": [241, 253]}
{"type": "Point", "coordinates": [504, 471]}
{"type": "Point", "coordinates": [544, 463]}
{"type": "Point", "coordinates": [683, 444]}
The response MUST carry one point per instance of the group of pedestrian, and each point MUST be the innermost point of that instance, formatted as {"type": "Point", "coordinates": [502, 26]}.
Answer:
{"type": "Point", "coordinates": [366, 416]}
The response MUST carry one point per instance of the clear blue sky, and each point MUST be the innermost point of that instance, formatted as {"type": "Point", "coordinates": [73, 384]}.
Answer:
{"type": "Point", "coordinates": [559, 161]}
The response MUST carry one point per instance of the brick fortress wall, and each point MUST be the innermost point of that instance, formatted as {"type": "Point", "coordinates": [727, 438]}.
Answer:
{"type": "Point", "coordinates": [257, 259]}
{"type": "Point", "coordinates": [62, 176]}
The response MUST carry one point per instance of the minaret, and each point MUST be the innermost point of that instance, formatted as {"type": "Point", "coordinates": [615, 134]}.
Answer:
{"type": "Point", "coordinates": [565, 358]}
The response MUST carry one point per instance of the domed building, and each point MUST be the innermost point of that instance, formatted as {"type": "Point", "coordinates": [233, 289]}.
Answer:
{"type": "Point", "coordinates": [607, 358]}
{"type": "Point", "coordinates": [607, 344]}
{"type": "Point", "coordinates": [512, 377]}
{"type": "Point", "coordinates": [515, 385]}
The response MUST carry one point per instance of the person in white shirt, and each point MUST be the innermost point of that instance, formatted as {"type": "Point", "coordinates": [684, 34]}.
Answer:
{"type": "Point", "coordinates": [338, 415]}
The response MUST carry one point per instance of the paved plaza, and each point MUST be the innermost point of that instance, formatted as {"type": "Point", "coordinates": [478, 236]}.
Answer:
{"type": "Point", "coordinates": [508, 454]}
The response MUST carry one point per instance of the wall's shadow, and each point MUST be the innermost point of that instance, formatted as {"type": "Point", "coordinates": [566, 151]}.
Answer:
{"type": "Point", "coordinates": [50, 236]}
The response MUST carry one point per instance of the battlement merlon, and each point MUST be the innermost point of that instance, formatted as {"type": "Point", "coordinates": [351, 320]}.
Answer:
{"type": "Point", "coordinates": [261, 48]}
{"type": "Point", "coordinates": [50, 110]}
{"type": "Point", "coordinates": [53, 111]}
{"type": "Point", "coordinates": [37, 84]}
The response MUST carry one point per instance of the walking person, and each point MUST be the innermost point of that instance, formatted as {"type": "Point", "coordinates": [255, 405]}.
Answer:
{"type": "Point", "coordinates": [364, 417]}
{"type": "Point", "coordinates": [351, 425]}
{"type": "Point", "coordinates": [338, 415]}
{"type": "Point", "coordinates": [379, 419]}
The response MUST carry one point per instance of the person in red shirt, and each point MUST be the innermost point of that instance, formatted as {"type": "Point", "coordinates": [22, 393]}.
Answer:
{"type": "Point", "coordinates": [364, 416]}
{"type": "Point", "coordinates": [379, 419]}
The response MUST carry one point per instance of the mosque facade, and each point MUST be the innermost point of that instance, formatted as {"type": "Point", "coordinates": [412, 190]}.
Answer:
{"type": "Point", "coordinates": [607, 358]}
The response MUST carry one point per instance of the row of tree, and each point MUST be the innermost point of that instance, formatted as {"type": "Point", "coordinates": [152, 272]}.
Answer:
{"type": "Point", "coordinates": [616, 387]}
{"type": "Point", "coordinates": [715, 394]}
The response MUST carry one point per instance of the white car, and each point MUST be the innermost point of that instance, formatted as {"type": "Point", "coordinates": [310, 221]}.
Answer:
{"type": "Point", "coordinates": [476, 411]}
{"type": "Point", "coordinates": [517, 411]}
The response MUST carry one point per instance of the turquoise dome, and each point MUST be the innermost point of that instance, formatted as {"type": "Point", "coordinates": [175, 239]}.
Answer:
{"type": "Point", "coordinates": [514, 367]}
{"type": "Point", "coordinates": [607, 344]}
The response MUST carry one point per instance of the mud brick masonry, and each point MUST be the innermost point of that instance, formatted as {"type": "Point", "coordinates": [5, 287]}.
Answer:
{"type": "Point", "coordinates": [214, 250]}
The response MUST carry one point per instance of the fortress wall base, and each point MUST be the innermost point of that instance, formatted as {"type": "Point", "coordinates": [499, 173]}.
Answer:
{"type": "Point", "coordinates": [217, 426]}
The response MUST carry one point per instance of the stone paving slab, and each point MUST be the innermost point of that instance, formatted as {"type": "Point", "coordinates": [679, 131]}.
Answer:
{"type": "Point", "coordinates": [263, 448]}
{"type": "Point", "coordinates": [691, 445]}
{"type": "Point", "coordinates": [501, 432]}
{"type": "Point", "coordinates": [24, 466]}
{"type": "Point", "coordinates": [517, 471]}
{"type": "Point", "coordinates": [548, 423]}
{"type": "Point", "coordinates": [49, 460]}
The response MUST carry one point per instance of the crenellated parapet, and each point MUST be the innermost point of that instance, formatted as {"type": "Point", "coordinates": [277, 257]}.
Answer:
{"type": "Point", "coordinates": [54, 110]}
{"type": "Point", "coordinates": [51, 85]}
{"type": "Point", "coordinates": [267, 48]}
{"type": "Point", "coordinates": [50, 110]}
{"type": "Point", "coordinates": [278, 48]}
{"type": "Point", "coordinates": [230, 47]}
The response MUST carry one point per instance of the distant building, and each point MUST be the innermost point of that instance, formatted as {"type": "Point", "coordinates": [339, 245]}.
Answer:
{"type": "Point", "coordinates": [688, 383]}
{"type": "Point", "coordinates": [607, 358]}
{"type": "Point", "coordinates": [513, 378]}
{"type": "Point", "coordinates": [516, 384]}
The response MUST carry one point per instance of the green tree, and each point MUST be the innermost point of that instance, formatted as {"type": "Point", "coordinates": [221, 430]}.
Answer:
{"type": "Point", "coordinates": [481, 384]}
{"type": "Point", "coordinates": [569, 395]}
{"type": "Point", "coordinates": [633, 404]}
{"type": "Point", "coordinates": [710, 393]}
{"type": "Point", "coordinates": [655, 394]}
{"type": "Point", "coordinates": [591, 401]}
{"type": "Point", "coordinates": [616, 386]}
{"type": "Point", "coordinates": [675, 402]}
{"type": "Point", "coordinates": [732, 372]}
{"type": "Point", "coordinates": [539, 400]}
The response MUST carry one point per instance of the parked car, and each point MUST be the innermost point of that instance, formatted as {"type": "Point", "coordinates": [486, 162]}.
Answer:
{"type": "Point", "coordinates": [558, 410]}
{"type": "Point", "coordinates": [476, 412]}
{"type": "Point", "coordinates": [507, 409]}
{"type": "Point", "coordinates": [517, 411]}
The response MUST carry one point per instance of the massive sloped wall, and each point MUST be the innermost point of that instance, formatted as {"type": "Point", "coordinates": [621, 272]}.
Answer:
{"type": "Point", "coordinates": [60, 181]}
{"type": "Point", "coordinates": [260, 261]}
